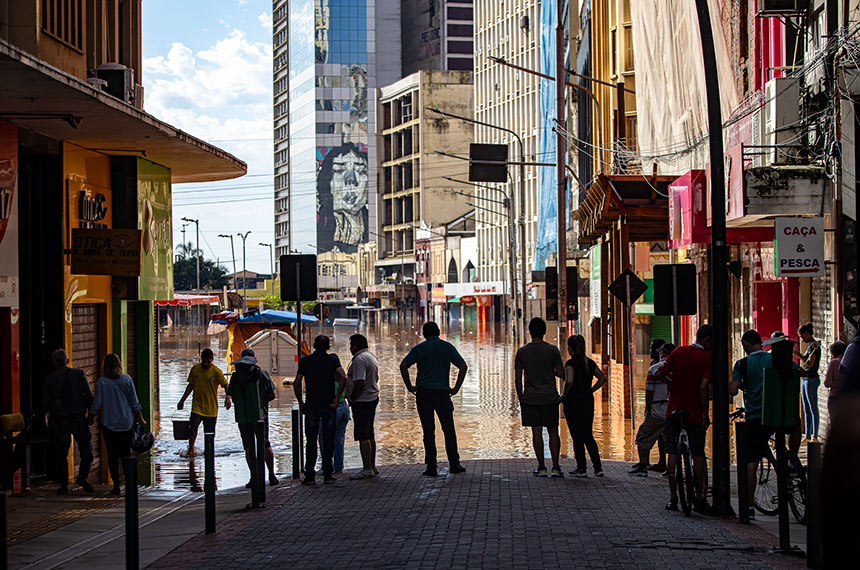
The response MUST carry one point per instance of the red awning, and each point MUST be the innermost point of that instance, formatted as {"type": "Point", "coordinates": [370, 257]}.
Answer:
{"type": "Point", "coordinates": [188, 300]}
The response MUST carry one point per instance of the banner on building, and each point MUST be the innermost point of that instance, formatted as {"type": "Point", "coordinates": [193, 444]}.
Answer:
{"type": "Point", "coordinates": [154, 211]}
{"type": "Point", "coordinates": [8, 215]}
{"type": "Point", "coordinates": [595, 290]}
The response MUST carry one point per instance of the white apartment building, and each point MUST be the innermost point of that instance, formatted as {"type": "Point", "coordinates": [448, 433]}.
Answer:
{"type": "Point", "coordinates": [281, 93]}
{"type": "Point", "coordinates": [508, 29]}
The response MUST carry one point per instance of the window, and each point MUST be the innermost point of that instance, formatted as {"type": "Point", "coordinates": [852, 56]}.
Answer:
{"type": "Point", "coordinates": [628, 48]}
{"type": "Point", "coordinates": [613, 51]}
{"type": "Point", "coordinates": [632, 135]}
{"type": "Point", "coordinates": [63, 21]}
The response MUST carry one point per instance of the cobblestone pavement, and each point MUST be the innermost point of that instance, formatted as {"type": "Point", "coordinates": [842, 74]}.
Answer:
{"type": "Point", "coordinates": [495, 515]}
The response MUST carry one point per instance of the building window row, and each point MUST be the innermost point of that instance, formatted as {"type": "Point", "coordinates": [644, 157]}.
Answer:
{"type": "Point", "coordinates": [64, 21]}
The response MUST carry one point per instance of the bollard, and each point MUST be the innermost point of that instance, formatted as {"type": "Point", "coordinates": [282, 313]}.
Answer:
{"type": "Point", "coordinates": [297, 443]}
{"type": "Point", "coordinates": [813, 505]}
{"type": "Point", "coordinates": [743, 477]}
{"type": "Point", "coordinates": [260, 465]}
{"type": "Point", "coordinates": [132, 552]}
{"type": "Point", "coordinates": [252, 463]}
{"type": "Point", "coordinates": [782, 492]}
{"type": "Point", "coordinates": [209, 484]}
{"type": "Point", "coordinates": [4, 551]}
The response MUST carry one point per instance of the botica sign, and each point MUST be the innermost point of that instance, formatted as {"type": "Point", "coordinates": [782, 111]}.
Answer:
{"type": "Point", "coordinates": [106, 252]}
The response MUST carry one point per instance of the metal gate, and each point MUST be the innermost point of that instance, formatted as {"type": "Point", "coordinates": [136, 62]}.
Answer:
{"type": "Point", "coordinates": [85, 356]}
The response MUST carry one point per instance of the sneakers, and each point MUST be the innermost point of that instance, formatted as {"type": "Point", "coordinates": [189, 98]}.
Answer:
{"type": "Point", "coordinates": [539, 472]}
{"type": "Point", "coordinates": [328, 479]}
{"type": "Point", "coordinates": [309, 481]}
{"type": "Point", "coordinates": [672, 505]}
{"type": "Point", "coordinates": [658, 467]}
{"type": "Point", "coordinates": [375, 471]}
{"type": "Point", "coordinates": [430, 472]}
{"type": "Point", "coordinates": [85, 485]}
{"type": "Point", "coordinates": [456, 469]}
{"type": "Point", "coordinates": [751, 513]}
{"type": "Point", "coordinates": [701, 507]}
{"type": "Point", "coordinates": [638, 472]}
{"type": "Point", "coordinates": [598, 472]}
{"type": "Point", "coordinates": [363, 474]}
{"type": "Point", "coordinates": [273, 481]}
{"type": "Point", "coordinates": [579, 474]}
{"type": "Point", "coordinates": [556, 473]}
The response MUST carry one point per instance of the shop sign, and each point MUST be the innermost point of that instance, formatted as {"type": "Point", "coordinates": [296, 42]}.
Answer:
{"type": "Point", "coordinates": [799, 247]}
{"type": "Point", "coordinates": [595, 281]}
{"type": "Point", "coordinates": [106, 252]}
{"type": "Point", "coordinates": [154, 205]}
{"type": "Point", "coordinates": [92, 210]}
{"type": "Point", "coordinates": [8, 216]}
{"type": "Point", "coordinates": [467, 300]}
{"type": "Point", "coordinates": [438, 295]}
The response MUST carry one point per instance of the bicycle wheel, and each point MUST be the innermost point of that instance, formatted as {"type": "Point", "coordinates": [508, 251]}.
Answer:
{"type": "Point", "coordinates": [765, 497]}
{"type": "Point", "coordinates": [686, 505]}
{"type": "Point", "coordinates": [797, 490]}
{"type": "Point", "coordinates": [690, 481]}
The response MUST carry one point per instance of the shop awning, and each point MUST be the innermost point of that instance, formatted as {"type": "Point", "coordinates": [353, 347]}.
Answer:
{"type": "Point", "coordinates": [641, 200]}
{"type": "Point", "coordinates": [189, 300]}
{"type": "Point", "coordinates": [37, 96]}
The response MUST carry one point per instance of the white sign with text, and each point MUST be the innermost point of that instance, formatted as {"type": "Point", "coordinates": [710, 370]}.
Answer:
{"type": "Point", "coordinates": [799, 247]}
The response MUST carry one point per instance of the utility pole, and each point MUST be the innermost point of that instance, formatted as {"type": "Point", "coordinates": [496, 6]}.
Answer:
{"type": "Point", "coordinates": [271, 265]}
{"type": "Point", "coordinates": [719, 274]}
{"type": "Point", "coordinates": [183, 236]}
{"type": "Point", "coordinates": [233, 253]}
{"type": "Point", "coordinates": [244, 272]}
{"type": "Point", "coordinates": [561, 176]}
{"type": "Point", "coordinates": [196, 247]}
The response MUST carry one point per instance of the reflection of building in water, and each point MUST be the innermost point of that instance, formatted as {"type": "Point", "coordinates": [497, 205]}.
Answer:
{"type": "Point", "coordinates": [329, 61]}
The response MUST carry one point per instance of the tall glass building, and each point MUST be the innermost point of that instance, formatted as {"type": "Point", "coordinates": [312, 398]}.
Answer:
{"type": "Point", "coordinates": [329, 61]}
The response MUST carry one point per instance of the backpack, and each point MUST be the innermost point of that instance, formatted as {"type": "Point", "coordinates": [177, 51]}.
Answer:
{"type": "Point", "coordinates": [742, 366]}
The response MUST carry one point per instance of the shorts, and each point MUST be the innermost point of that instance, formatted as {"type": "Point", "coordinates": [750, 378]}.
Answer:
{"type": "Point", "coordinates": [649, 431]}
{"type": "Point", "coordinates": [246, 430]}
{"type": "Point", "coordinates": [758, 440]}
{"type": "Point", "coordinates": [208, 423]}
{"type": "Point", "coordinates": [363, 414]}
{"type": "Point", "coordinates": [539, 415]}
{"type": "Point", "coordinates": [695, 436]}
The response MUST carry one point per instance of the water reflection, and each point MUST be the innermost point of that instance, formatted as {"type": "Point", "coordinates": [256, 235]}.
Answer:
{"type": "Point", "coordinates": [486, 410]}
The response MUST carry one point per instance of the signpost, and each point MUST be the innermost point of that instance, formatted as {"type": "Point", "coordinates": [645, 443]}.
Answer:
{"type": "Point", "coordinates": [799, 247]}
{"type": "Point", "coordinates": [627, 287]}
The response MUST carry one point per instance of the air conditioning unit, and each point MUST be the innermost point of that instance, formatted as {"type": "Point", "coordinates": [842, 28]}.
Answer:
{"type": "Point", "coordinates": [120, 80]}
{"type": "Point", "coordinates": [782, 130]}
{"type": "Point", "coordinates": [781, 7]}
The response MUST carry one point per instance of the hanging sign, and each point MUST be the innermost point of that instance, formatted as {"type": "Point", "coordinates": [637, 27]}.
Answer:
{"type": "Point", "coordinates": [799, 247]}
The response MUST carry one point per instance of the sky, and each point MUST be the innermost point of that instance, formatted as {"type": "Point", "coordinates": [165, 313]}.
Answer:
{"type": "Point", "coordinates": [207, 70]}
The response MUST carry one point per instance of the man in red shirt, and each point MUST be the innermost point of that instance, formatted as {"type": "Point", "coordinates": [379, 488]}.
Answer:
{"type": "Point", "coordinates": [687, 371]}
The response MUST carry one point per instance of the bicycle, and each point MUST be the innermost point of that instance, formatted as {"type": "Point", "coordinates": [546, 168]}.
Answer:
{"type": "Point", "coordinates": [685, 478]}
{"type": "Point", "coordinates": [766, 496]}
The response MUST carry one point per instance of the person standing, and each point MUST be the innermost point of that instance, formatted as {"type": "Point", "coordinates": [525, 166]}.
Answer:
{"type": "Point", "coordinates": [363, 389]}
{"type": "Point", "coordinates": [251, 389]}
{"type": "Point", "coordinates": [118, 408]}
{"type": "Point", "coordinates": [320, 371]}
{"type": "Point", "coordinates": [831, 377]}
{"type": "Point", "coordinates": [67, 398]}
{"type": "Point", "coordinates": [341, 419]}
{"type": "Point", "coordinates": [537, 364]}
{"type": "Point", "coordinates": [656, 401]}
{"type": "Point", "coordinates": [687, 371]}
{"type": "Point", "coordinates": [809, 363]}
{"type": "Point", "coordinates": [433, 392]}
{"type": "Point", "coordinates": [578, 401]}
{"type": "Point", "coordinates": [203, 380]}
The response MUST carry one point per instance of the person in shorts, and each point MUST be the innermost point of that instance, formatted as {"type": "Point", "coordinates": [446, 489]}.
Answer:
{"type": "Point", "coordinates": [362, 385]}
{"type": "Point", "coordinates": [536, 367]}
{"type": "Point", "coordinates": [203, 381]}
{"type": "Point", "coordinates": [687, 372]}
{"type": "Point", "coordinates": [656, 401]}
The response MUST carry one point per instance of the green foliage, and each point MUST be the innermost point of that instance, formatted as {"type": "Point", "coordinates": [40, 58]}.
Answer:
{"type": "Point", "coordinates": [213, 277]}
{"type": "Point", "coordinates": [274, 302]}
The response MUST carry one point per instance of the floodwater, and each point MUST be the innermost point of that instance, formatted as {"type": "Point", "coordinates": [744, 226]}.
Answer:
{"type": "Point", "coordinates": [486, 410]}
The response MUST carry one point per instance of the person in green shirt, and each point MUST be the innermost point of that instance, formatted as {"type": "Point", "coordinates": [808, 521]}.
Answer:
{"type": "Point", "coordinates": [433, 392]}
{"type": "Point", "coordinates": [203, 381]}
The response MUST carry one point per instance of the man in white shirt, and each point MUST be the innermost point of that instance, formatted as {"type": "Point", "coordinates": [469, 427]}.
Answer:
{"type": "Point", "coordinates": [362, 390]}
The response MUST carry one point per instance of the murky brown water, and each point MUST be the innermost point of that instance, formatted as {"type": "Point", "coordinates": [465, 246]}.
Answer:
{"type": "Point", "coordinates": [486, 410]}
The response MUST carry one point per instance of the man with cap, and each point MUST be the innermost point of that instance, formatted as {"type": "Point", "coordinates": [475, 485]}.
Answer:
{"type": "Point", "coordinates": [251, 389]}
{"type": "Point", "coordinates": [656, 401]}
{"type": "Point", "coordinates": [687, 371]}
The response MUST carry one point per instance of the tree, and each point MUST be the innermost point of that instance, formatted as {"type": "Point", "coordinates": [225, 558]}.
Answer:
{"type": "Point", "coordinates": [213, 277]}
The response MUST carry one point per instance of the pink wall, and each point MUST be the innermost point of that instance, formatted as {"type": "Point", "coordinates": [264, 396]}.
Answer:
{"type": "Point", "coordinates": [769, 50]}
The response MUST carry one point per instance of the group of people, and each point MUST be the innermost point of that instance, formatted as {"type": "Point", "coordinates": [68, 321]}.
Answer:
{"type": "Point", "coordinates": [72, 409]}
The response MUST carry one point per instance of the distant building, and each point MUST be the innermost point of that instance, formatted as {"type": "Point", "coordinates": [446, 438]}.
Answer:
{"type": "Point", "coordinates": [247, 280]}
{"type": "Point", "coordinates": [437, 35]}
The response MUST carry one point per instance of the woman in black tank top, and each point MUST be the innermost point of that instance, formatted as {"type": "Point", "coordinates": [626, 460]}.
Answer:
{"type": "Point", "coordinates": [578, 402]}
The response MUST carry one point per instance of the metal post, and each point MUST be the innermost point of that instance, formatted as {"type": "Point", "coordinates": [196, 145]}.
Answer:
{"type": "Point", "coordinates": [297, 443]}
{"type": "Point", "coordinates": [4, 551]}
{"type": "Point", "coordinates": [252, 465]}
{"type": "Point", "coordinates": [629, 328]}
{"type": "Point", "coordinates": [560, 161]}
{"type": "Point", "coordinates": [260, 465]}
{"type": "Point", "coordinates": [132, 546]}
{"type": "Point", "coordinates": [209, 483]}
{"type": "Point", "coordinates": [676, 318]}
{"type": "Point", "coordinates": [743, 481]}
{"type": "Point", "coordinates": [512, 270]}
{"type": "Point", "coordinates": [244, 272]}
{"type": "Point", "coordinates": [813, 505]}
{"type": "Point", "coordinates": [719, 275]}
{"type": "Point", "coordinates": [301, 449]}
{"type": "Point", "coordinates": [782, 491]}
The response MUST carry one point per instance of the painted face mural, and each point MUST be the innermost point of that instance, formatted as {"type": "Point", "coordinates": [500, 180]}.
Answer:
{"type": "Point", "coordinates": [342, 209]}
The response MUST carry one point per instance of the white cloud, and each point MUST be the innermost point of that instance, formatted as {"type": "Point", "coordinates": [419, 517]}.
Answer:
{"type": "Point", "coordinates": [265, 20]}
{"type": "Point", "coordinates": [221, 94]}
{"type": "Point", "coordinates": [242, 2]}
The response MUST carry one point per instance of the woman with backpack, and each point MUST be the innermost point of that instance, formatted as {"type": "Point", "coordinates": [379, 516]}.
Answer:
{"type": "Point", "coordinates": [118, 408]}
{"type": "Point", "coordinates": [578, 403]}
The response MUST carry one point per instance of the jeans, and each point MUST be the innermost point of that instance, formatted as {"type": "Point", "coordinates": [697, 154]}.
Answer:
{"type": "Point", "coordinates": [579, 414]}
{"type": "Point", "coordinates": [61, 435]}
{"type": "Point", "coordinates": [340, 421]}
{"type": "Point", "coordinates": [313, 420]}
{"type": "Point", "coordinates": [437, 402]}
{"type": "Point", "coordinates": [809, 395]}
{"type": "Point", "coordinates": [118, 445]}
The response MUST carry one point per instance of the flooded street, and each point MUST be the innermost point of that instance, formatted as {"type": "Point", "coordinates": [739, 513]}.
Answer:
{"type": "Point", "coordinates": [486, 410]}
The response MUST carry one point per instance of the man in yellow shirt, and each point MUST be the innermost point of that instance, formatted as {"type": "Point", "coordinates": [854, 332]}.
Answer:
{"type": "Point", "coordinates": [203, 380]}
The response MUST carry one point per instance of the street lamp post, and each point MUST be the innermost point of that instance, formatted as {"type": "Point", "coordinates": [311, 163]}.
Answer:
{"type": "Point", "coordinates": [244, 272]}
{"type": "Point", "coordinates": [271, 265]}
{"type": "Point", "coordinates": [196, 247]}
{"type": "Point", "coordinates": [522, 205]}
{"type": "Point", "coordinates": [233, 253]}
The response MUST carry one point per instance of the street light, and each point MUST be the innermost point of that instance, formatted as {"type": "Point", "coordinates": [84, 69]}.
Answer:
{"type": "Point", "coordinates": [233, 253]}
{"type": "Point", "coordinates": [271, 265]}
{"type": "Point", "coordinates": [522, 206]}
{"type": "Point", "coordinates": [197, 247]}
{"type": "Point", "coordinates": [244, 272]}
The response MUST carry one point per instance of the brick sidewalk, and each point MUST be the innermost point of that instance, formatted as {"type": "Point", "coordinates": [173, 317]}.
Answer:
{"type": "Point", "coordinates": [495, 515]}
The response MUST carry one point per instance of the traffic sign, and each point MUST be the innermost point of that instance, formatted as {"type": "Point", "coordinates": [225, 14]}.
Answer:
{"type": "Point", "coordinates": [619, 287]}
{"type": "Point", "coordinates": [675, 291]}
{"type": "Point", "coordinates": [799, 247]}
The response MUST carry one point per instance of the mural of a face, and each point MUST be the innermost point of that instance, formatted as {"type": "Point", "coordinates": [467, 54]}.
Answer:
{"type": "Point", "coordinates": [349, 183]}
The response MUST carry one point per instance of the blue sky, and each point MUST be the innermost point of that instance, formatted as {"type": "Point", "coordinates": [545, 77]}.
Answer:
{"type": "Point", "coordinates": [208, 71]}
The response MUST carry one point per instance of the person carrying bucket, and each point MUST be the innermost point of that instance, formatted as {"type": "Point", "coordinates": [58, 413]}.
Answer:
{"type": "Point", "coordinates": [203, 380]}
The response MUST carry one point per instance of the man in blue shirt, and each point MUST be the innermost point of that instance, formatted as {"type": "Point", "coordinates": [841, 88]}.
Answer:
{"type": "Point", "coordinates": [433, 392]}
